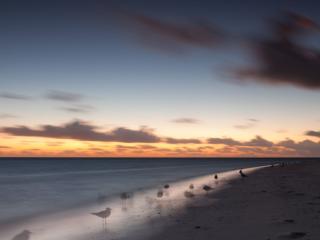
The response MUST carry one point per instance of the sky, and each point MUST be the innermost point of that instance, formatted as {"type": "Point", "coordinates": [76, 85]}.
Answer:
{"type": "Point", "coordinates": [159, 78]}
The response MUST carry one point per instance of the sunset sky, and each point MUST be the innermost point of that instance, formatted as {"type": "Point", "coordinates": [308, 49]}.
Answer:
{"type": "Point", "coordinates": [159, 78]}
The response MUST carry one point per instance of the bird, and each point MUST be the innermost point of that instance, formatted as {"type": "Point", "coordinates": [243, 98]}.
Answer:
{"type": "Point", "coordinates": [207, 188]}
{"type": "Point", "coordinates": [166, 186]}
{"type": "Point", "coordinates": [104, 215]}
{"type": "Point", "coordinates": [242, 174]}
{"type": "Point", "coordinates": [188, 194]}
{"type": "Point", "coordinates": [216, 176]}
{"type": "Point", "coordinates": [24, 235]}
{"type": "Point", "coordinates": [166, 190]}
{"type": "Point", "coordinates": [124, 196]}
{"type": "Point", "coordinates": [160, 194]}
{"type": "Point", "coordinates": [191, 186]}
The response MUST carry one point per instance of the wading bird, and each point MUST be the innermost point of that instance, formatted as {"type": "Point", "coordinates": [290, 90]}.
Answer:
{"type": "Point", "coordinates": [104, 215]}
{"type": "Point", "coordinates": [160, 194]}
{"type": "Point", "coordinates": [207, 188]}
{"type": "Point", "coordinates": [188, 194]}
{"type": "Point", "coordinates": [124, 197]}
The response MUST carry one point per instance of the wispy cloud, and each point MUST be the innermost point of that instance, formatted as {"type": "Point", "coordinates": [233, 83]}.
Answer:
{"type": "Point", "coordinates": [63, 96]}
{"type": "Point", "coordinates": [250, 123]}
{"type": "Point", "coordinates": [186, 120]}
{"type": "Point", "coordinates": [79, 108]}
{"type": "Point", "coordinates": [170, 35]}
{"type": "Point", "coordinates": [6, 147]}
{"type": "Point", "coordinates": [7, 116]}
{"type": "Point", "coordinates": [14, 96]}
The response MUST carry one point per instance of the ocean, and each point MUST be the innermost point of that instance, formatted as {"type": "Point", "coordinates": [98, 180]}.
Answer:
{"type": "Point", "coordinates": [35, 186]}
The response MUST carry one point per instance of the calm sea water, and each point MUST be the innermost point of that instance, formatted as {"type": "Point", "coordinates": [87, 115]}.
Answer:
{"type": "Point", "coordinates": [30, 187]}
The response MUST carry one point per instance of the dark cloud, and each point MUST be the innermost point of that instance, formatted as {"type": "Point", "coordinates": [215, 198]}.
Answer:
{"type": "Point", "coordinates": [258, 142]}
{"type": "Point", "coordinates": [302, 148]}
{"type": "Point", "coordinates": [63, 96]}
{"type": "Point", "coordinates": [186, 120]}
{"type": "Point", "coordinates": [224, 141]}
{"type": "Point", "coordinates": [313, 133]}
{"type": "Point", "coordinates": [255, 142]}
{"type": "Point", "coordinates": [198, 32]}
{"type": "Point", "coordinates": [283, 61]}
{"type": "Point", "coordinates": [182, 141]}
{"type": "Point", "coordinates": [80, 130]}
{"type": "Point", "coordinates": [14, 96]}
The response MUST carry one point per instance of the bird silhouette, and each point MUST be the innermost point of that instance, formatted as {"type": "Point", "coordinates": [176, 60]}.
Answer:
{"type": "Point", "coordinates": [124, 197]}
{"type": "Point", "coordinates": [160, 194]}
{"type": "Point", "coordinates": [104, 215]}
{"type": "Point", "coordinates": [191, 186]}
{"type": "Point", "coordinates": [166, 186]}
{"type": "Point", "coordinates": [24, 235]}
{"type": "Point", "coordinates": [207, 188]}
{"type": "Point", "coordinates": [216, 176]}
{"type": "Point", "coordinates": [188, 194]}
{"type": "Point", "coordinates": [242, 174]}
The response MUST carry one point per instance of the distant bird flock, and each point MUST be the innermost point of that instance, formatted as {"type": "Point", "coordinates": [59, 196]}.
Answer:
{"type": "Point", "coordinates": [106, 213]}
{"type": "Point", "coordinates": [162, 192]}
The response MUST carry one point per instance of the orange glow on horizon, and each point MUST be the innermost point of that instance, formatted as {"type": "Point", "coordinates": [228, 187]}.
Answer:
{"type": "Point", "coordinates": [45, 147]}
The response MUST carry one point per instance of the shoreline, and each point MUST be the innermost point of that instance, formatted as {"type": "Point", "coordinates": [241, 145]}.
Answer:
{"type": "Point", "coordinates": [272, 203]}
{"type": "Point", "coordinates": [83, 226]}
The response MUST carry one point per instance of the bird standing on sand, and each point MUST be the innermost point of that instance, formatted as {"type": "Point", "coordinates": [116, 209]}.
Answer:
{"type": "Point", "coordinates": [191, 186]}
{"type": "Point", "coordinates": [104, 215]}
{"type": "Point", "coordinates": [188, 194]}
{"type": "Point", "coordinates": [24, 235]}
{"type": "Point", "coordinates": [242, 174]}
{"type": "Point", "coordinates": [216, 176]}
{"type": "Point", "coordinates": [166, 189]}
{"type": "Point", "coordinates": [207, 188]}
{"type": "Point", "coordinates": [124, 197]}
{"type": "Point", "coordinates": [160, 194]}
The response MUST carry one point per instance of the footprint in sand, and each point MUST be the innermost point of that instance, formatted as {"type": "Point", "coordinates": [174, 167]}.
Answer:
{"type": "Point", "coordinates": [24, 235]}
{"type": "Point", "coordinates": [292, 235]}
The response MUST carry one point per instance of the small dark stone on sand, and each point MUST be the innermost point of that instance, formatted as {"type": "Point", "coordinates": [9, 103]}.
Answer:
{"type": "Point", "coordinates": [289, 221]}
{"type": "Point", "coordinates": [293, 235]}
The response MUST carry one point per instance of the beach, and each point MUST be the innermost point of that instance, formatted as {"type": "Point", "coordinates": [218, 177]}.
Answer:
{"type": "Point", "coordinates": [148, 211]}
{"type": "Point", "coordinates": [271, 203]}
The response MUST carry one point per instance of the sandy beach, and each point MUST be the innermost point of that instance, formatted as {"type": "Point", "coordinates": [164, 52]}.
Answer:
{"type": "Point", "coordinates": [271, 203]}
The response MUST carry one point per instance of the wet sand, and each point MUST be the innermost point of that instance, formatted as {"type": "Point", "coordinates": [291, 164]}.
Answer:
{"type": "Point", "coordinates": [271, 203]}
